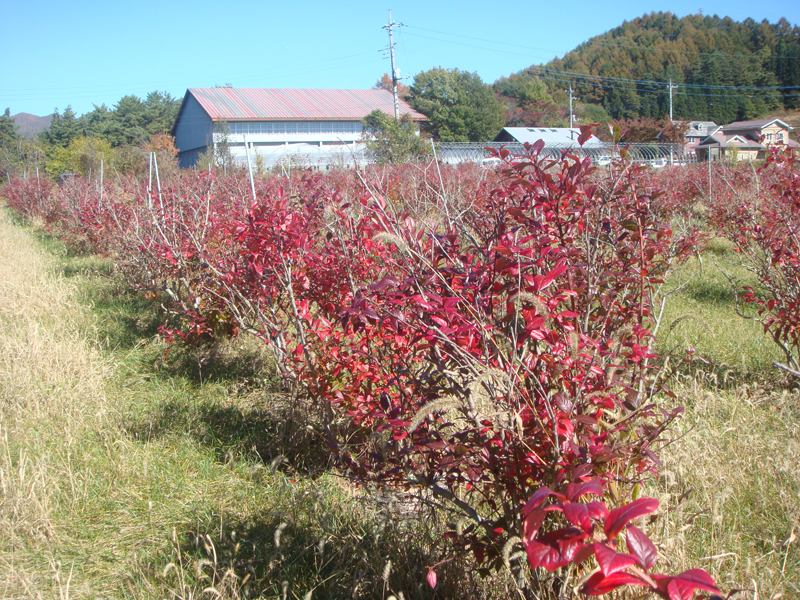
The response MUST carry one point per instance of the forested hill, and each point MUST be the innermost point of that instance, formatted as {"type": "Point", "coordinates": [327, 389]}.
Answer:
{"type": "Point", "coordinates": [724, 70]}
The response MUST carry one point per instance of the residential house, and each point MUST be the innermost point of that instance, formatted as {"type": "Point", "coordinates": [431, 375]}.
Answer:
{"type": "Point", "coordinates": [696, 132]}
{"type": "Point", "coordinates": [316, 127]}
{"type": "Point", "coordinates": [745, 140]}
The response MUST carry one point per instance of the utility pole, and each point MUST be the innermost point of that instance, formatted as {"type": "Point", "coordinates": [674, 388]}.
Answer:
{"type": "Point", "coordinates": [395, 78]}
{"type": "Point", "coordinates": [671, 87]}
{"type": "Point", "coordinates": [571, 98]}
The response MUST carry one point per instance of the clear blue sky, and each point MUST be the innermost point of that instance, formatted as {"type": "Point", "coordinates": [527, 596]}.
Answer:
{"type": "Point", "coordinates": [85, 52]}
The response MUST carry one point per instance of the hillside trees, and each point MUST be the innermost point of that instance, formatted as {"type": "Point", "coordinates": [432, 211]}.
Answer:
{"type": "Point", "coordinates": [460, 107]}
{"type": "Point", "coordinates": [527, 102]}
{"type": "Point", "coordinates": [628, 69]}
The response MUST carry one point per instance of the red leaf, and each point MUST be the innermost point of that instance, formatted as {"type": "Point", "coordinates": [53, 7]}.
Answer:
{"type": "Point", "coordinates": [642, 548]}
{"type": "Point", "coordinates": [531, 524]}
{"type": "Point", "coordinates": [597, 510]}
{"type": "Point", "coordinates": [555, 549]}
{"type": "Point", "coordinates": [620, 517]}
{"type": "Point", "coordinates": [577, 514]}
{"type": "Point", "coordinates": [598, 584]}
{"type": "Point", "coordinates": [586, 133]}
{"type": "Point", "coordinates": [431, 578]}
{"type": "Point", "coordinates": [538, 497]}
{"type": "Point", "coordinates": [576, 490]}
{"type": "Point", "coordinates": [682, 587]}
{"type": "Point", "coordinates": [610, 560]}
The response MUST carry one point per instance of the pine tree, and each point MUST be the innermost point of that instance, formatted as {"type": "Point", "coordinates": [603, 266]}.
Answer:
{"type": "Point", "coordinates": [8, 130]}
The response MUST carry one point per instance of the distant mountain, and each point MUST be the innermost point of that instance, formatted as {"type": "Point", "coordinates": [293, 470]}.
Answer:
{"type": "Point", "coordinates": [29, 125]}
{"type": "Point", "coordinates": [723, 70]}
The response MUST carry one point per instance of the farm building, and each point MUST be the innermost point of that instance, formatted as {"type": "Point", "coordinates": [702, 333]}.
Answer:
{"type": "Point", "coordinates": [552, 136]}
{"type": "Point", "coordinates": [316, 127]}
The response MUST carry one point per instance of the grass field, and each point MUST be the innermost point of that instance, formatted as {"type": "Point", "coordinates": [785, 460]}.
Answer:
{"type": "Point", "coordinates": [132, 470]}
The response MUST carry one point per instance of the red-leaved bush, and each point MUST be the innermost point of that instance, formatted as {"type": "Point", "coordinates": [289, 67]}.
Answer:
{"type": "Point", "coordinates": [765, 225]}
{"type": "Point", "coordinates": [487, 345]}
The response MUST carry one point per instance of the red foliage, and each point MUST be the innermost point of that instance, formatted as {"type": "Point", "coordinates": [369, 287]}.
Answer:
{"type": "Point", "coordinates": [765, 225]}
{"type": "Point", "coordinates": [476, 340]}
{"type": "Point", "coordinates": [584, 538]}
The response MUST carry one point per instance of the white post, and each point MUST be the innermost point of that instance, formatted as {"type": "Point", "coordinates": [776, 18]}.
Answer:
{"type": "Point", "coordinates": [158, 179]}
{"type": "Point", "coordinates": [249, 166]}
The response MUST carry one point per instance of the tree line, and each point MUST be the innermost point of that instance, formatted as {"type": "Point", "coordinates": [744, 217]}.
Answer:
{"type": "Point", "coordinates": [116, 136]}
{"type": "Point", "coordinates": [721, 70]}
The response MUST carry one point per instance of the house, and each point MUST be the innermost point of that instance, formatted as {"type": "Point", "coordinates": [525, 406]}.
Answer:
{"type": "Point", "coordinates": [696, 132]}
{"type": "Point", "coordinates": [745, 140]}
{"type": "Point", "coordinates": [317, 127]}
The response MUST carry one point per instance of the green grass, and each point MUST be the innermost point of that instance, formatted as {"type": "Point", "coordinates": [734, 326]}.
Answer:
{"type": "Point", "coordinates": [701, 332]}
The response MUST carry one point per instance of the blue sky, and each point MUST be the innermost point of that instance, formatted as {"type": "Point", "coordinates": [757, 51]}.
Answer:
{"type": "Point", "coordinates": [86, 52]}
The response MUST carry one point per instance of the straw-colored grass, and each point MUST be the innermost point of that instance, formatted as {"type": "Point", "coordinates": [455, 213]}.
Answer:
{"type": "Point", "coordinates": [730, 488]}
{"type": "Point", "coordinates": [730, 485]}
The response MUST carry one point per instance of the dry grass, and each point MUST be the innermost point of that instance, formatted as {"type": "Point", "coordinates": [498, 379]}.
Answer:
{"type": "Point", "coordinates": [51, 391]}
{"type": "Point", "coordinates": [731, 486]}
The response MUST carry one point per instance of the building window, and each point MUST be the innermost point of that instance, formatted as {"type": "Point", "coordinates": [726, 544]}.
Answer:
{"type": "Point", "coordinates": [295, 127]}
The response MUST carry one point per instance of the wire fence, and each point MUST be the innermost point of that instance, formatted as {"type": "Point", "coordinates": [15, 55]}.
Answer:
{"type": "Point", "coordinates": [600, 153]}
{"type": "Point", "coordinates": [306, 155]}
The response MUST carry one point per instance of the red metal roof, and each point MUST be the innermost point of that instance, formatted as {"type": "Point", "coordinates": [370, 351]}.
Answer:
{"type": "Point", "coordinates": [258, 104]}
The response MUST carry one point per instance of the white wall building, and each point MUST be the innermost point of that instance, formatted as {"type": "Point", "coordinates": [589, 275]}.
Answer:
{"type": "Point", "coordinates": [316, 127]}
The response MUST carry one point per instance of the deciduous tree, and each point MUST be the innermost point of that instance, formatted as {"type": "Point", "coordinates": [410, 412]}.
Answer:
{"type": "Point", "coordinates": [459, 106]}
{"type": "Point", "coordinates": [393, 142]}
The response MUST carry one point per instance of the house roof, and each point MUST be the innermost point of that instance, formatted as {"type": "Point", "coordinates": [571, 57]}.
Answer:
{"type": "Point", "coordinates": [552, 136]}
{"type": "Point", "coordinates": [695, 129]}
{"type": "Point", "coordinates": [263, 104]}
{"type": "Point", "coordinates": [722, 140]}
{"type": "Point", "coordinates": [756, 124]}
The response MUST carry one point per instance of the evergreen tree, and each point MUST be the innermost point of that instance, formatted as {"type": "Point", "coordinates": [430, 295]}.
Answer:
{"type": "Point", "coordinates": [128, 122]}
{"type": "Point", "coordinates": [63, 128]}
{"type": "Point", "coordinates": [8, 130]}
{"type": "Point", "coordinates": [160, 112]}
